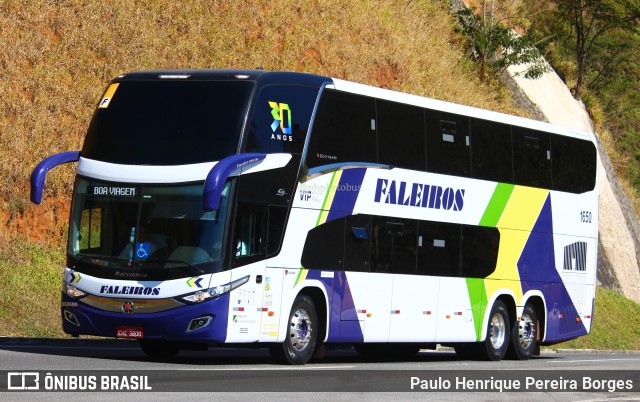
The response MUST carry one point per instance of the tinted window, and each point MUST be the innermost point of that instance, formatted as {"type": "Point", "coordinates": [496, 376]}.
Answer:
{"type": "Point", "coordinates": [439, 249]}
{"type": "Point", "coordinates": [249, 240]}
{"type": "Point", "coordinates": [574, 164]}
{"type": "Point", "coordinates": [277, 220]}
{"type": "Point", "coordinates": [168, 122]}
{"type": "Point", "coordinates": [324, 247]}
{"type": "Point", "coordinates": [343, 130]}
{"type": "Point", "coordinates": [274, 186]}
{"type": "Point", "coordinates": [531, 158]}
{"type": "Point", "coordinates": [448, 143]}
{"type": "Point", "coordinates": [357, 243]}
{"type": "Point", "coordinates": [491, 151]}
{"type": "Point", "coordinates": [280, 119]}
{"type": "Point", "coordinates": [479, 251]}
{"type": "Point", "coordinates": [393, 245]}
{"type": "Point", "coordinates": [401, 135]}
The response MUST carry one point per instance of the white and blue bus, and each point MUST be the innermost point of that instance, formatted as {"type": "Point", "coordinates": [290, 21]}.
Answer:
{"type": "Point", "coordinates": [288, 210]}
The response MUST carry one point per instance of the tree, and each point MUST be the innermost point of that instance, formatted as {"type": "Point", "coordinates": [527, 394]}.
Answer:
{"type": "Point", "coordinates": [590, 22]}
{"type": "Point", "coordinates": [493, 41]}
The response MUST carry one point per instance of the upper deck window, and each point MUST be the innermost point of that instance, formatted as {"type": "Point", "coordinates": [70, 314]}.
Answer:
{"type": "Point", "coordinates": [168, 122]}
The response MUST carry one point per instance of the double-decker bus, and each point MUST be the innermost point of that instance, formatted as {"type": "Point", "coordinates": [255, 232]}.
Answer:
{"type": "Point", "coordinates": [288, 210]}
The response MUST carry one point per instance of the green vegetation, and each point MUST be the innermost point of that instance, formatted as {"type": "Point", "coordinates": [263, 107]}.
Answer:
{"type": "Point", "coordinates": [493, 41]}
{"type": "Point", "coordinates": [616, 325]}
{"type": "Point", "coordinates": [30, 278]}
{"type": "Point", "coordinates": [594, 46]}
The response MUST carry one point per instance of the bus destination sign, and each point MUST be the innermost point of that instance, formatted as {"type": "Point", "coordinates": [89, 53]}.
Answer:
{"type": "Point", "coordinates": [112, 191]}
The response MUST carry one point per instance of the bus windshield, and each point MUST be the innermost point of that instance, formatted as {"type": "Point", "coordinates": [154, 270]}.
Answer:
{"type": "Point", "coordinates": [167, 122]}
{"type": "Point", "coordinates": [123, 225]}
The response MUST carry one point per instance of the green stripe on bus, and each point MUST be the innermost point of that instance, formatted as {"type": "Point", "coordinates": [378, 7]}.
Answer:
{"type": "Point", "coordinates": [326, 197]}
{"type": "Point", "coordinates": [478, 299]}
{"type": "Point", "coordinates": [298, 277]}
{"type": "Point", "coordinates": [497, 204]}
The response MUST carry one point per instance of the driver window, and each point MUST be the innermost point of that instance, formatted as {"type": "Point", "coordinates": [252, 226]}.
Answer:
{"type": "Point", "coordinates": [249, 238]}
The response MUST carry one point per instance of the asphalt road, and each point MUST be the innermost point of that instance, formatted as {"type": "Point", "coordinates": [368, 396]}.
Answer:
{"type": "Point", "coordinates": [250, 373]}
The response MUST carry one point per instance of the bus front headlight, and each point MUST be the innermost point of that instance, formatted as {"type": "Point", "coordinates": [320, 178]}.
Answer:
{"type": "Point", "coordinates": [214, 292]}
{"type": "Point", "coordinates": [72, 291]}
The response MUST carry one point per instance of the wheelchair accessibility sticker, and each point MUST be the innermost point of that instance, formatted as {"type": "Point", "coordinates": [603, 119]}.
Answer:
{"type": "Point", "coordinates": [143, 250]}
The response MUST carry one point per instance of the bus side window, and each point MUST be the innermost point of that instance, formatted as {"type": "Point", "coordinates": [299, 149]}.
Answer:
{"type": "Point", "coordinates": [479, 251]}
{"type": "Point", "coordinates": [491, 151]}
{"type": "Point", "coordinates": [344, 130]}
{"type": "Point", "coordinates": [249, 233]}
{"type": "Point", "coordinates": [401, 135]}
{"type": "Point", "coordinates": [531, 158]}
{"type": "Point", "coordinates": [574, 164]}
{"type": "Point", "coordinates": [439, 249]}
{"type": "Point", "coordinates": [324, 247]}
{"type": "Point", "coordinates": [89, 234]}
{"type": "Point", "coordinates": [277, 219]}
{"type": "Point", "coordinates": [448, 140]}
{"type": "Point", "coordinates": [394, 245]}
{"type": "Point", "coordinates": [357, 243]}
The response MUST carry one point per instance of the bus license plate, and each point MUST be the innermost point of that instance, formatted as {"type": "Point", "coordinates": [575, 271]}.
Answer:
{"type": "Point", "coordinates": [129, 332]}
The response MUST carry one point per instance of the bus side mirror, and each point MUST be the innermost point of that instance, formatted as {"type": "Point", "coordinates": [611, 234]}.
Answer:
{"type": "Point", "coordinates": [219, 174]}
{"type": "Point", "coordinates": [39, 174]}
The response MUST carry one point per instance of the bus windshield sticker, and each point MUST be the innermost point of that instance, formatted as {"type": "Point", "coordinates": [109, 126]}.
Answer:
{"type": "Point", "coordinates": [143, 250]}
{"type": "Point", "coordinates": [106, 99]}
{"type": "Point", "coordinates": [281, 113]}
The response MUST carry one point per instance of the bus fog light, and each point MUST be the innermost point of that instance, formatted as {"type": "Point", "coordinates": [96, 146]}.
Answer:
{"type": "Point", "coordinates": [198, 323]}
{"type": "Point", "coordinates": [70, 317]}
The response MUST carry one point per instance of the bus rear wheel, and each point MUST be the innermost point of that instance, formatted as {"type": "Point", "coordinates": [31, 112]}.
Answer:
{"type": "Point", "coordinates": [523, 335]}
{"type": "Point", "coordinates": [300, 342]}
{"type": "Point", "coordinates": [496, 342]}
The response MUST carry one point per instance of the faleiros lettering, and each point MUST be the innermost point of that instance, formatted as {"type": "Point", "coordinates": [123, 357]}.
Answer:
{"type": "Point", "coordinates": [129, 290]}
{"type": "Point", "coordinates": [419, 195]}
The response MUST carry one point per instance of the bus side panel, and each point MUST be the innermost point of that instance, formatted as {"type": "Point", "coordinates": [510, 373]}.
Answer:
{"type": "Point", "coordinates": [455, 315]}
{"type": "Point", "coordinates": [414, 308]}
{"type": "Point", "coordinates": [245, 304]}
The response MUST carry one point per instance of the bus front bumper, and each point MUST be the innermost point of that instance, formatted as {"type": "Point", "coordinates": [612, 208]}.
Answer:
{"type": "Point", "coordinates": [205, 322]}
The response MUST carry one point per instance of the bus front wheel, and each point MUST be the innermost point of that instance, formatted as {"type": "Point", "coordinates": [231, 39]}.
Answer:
{"type": "Point", "coordinates": [301, 338]}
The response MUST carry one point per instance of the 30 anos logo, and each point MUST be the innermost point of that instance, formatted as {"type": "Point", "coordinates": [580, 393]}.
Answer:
{"type": "Point", "coordinates": [281, 113]}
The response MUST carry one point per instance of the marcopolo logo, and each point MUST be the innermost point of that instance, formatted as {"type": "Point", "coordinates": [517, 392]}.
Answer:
{"type": "Point", "coordinates": [281, 113]}
{"type": "Point", "coordinates": [419, 195]}
{"type": "Point", "coordinates": [129, 290]}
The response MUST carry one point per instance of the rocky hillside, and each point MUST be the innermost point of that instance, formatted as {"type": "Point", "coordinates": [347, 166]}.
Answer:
{"type": "Point", "coordinates": [619, 242]}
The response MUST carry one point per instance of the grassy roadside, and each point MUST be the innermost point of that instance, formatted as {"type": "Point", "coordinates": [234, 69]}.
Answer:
{"type": "Point", "coordinates": [30, 276]}
{"type": "Point", "coordinates": [33, 274]}
{"type": "Point", "coordinates": [616, 325]}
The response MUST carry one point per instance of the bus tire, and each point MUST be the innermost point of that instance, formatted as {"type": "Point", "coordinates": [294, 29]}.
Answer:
{"type": "Point", "coordinates": [300, 342]}
{"type": "Point", "coordinates": [158, 349]}
{"type": "Point", "coordinates": [523, 335]}
{"type": "Point", "coordinates": [496, 342]}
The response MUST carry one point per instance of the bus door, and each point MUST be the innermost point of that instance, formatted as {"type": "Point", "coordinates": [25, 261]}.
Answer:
{"type": "Point", "coordinates": [248, 258]}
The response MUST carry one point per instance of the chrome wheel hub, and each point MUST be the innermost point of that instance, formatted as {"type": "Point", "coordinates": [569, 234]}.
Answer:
{"type": "Point", "coordinates": [300, 330]}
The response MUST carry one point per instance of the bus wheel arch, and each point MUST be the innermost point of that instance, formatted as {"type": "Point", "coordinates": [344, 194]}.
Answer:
{"type": "Point", "coordinates": [306, 326]}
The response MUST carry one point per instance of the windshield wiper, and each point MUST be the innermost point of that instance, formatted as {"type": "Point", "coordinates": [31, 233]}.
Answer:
{"type": "Point", "coordinates": [187, 265]}
{"type": "Point", "coordinates": [101, 257]}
